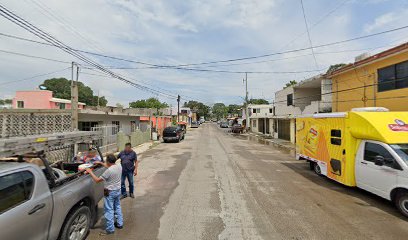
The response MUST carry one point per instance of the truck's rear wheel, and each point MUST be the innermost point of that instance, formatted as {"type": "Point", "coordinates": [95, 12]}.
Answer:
{"type": "Point", "coordinates": [316, 169]}
{"type": "Point", "coordinates": [77, 225]}
{"type": "Point", "coordinates": [402, 203]}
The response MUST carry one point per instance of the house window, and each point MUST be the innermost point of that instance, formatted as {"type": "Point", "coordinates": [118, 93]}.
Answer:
{"type": "Point", "coordinates": [133, 126]}
{"type": "Point", "coordinates": [20, 104]}
{"type": "Point", "coordinates": [270, 110]}
{"type": "Point", "coordinates": [116, 127]}
{"type": "Point", "coordinates": [393, 77]}
{"type": "Point", "coordinates": [289, 99]}
{"type": "Point", "coordinates": [87, 126]}
{"type": "Point", "coordinates": [258, 110]}
{"type": "Point", "coordinates": [62, 106]}
{"type": "Point", "coordinates": [254, 123]}
{"type": "Point", "coordinates": [254, 110]}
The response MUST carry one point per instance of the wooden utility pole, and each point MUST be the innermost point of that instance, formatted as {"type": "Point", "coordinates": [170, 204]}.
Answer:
{"type": "Point", "coordinates": [74, 98]}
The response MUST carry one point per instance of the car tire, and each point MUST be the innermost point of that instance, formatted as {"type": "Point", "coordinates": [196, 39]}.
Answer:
{"type": "Point", "coordinates": [401, 201]}
{"type": "Point", "coordinates": [316, 169]}
{"type": "Point", "coordinates": [77, 224]}
{"type": "Point", "coordinates": [165, 141]}
{"type": "Point", "coordinates": [179, 139]}
{"type": "Point", "coordinates": [311, 165]}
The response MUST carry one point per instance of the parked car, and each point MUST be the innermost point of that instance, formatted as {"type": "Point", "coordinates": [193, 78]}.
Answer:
{"type": "Point", "coordinates": [224, 125]}
{"type": "Point", "coordinates": [175, 134]}
{"type": "Point", "coordinates": [45, 200]}
{"type": "Point", "coordinates": [237, 128]}
{"type": "Point", "coordinates": [195, 124]}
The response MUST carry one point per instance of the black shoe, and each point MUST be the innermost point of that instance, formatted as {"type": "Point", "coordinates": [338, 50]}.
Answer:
{"type": "Point", "coordinates": [118, 227]}
{"type": "Point", "coordinates": [123, 196]}
{"type": "Point", "coordinates": [131, 195]}
{"type": "Point", "coordinates": [104, 233]}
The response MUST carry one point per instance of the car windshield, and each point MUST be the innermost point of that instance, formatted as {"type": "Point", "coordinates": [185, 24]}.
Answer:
{"type": "Point", "coordinates": [401, 150]}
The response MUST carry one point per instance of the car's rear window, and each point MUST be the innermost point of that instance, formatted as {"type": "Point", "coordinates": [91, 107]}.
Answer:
{"type": "Point", "coordinates": [170, 129]}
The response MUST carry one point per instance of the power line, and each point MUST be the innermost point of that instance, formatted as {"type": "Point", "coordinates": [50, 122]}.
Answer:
{"type": "Point", "coordinates": [218, 61]}
{"type": "Point", "coordinates": [36, 76]}
{"type": "Point", "coordinates": [308, 35]}
{"type": "Point", "coordinates": [32, 56]}
{"type": "Point", "coordinates": [9, 15]}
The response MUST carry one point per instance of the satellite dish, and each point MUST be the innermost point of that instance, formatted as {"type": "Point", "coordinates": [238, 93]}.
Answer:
{"type": "Point", "coordinates": [42, 87]}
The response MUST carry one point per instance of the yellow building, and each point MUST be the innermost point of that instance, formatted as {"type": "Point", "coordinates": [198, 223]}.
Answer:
{"type": "Point", "coordinates": [380, 80]}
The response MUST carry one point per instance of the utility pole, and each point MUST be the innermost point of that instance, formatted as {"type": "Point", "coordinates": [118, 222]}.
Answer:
{"type": "Point", "coordinates": [246, 101]}
{"type": "Point", "coordinates": [74, 97]}
{"type": "Point", "coordinates": [98, 99]}
{"type": "Point", "coordinates": [178, 108]}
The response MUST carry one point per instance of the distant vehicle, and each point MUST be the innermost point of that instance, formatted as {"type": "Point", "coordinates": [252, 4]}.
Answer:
{"type": "Point", "coordinates": [202, 120]}
{"type": "Point", "coordinates": [224, 125]}
{"type": "Point", "coordinates": [175, 134]}
{"type": "Point", "coordinates": [237, 128]}
{"type": "Point", "coordinates": [46, 200]}
{"type": "Point", "coordinates": [365, 148]}
{"type": "Point", "coordinates": [195, 124]}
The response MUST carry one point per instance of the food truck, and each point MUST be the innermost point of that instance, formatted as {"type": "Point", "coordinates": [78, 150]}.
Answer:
{"type": "Point", "coordinates": [365, 148]}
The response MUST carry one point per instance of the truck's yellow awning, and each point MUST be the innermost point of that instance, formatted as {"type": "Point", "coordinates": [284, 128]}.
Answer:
{"type": "Point", "coordinates": [387, 127]}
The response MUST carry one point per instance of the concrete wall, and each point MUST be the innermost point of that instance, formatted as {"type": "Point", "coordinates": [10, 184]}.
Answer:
{"type": "Point", "coordinates": [304, 96]}
{"type": "Point", "coordinates": [264, 110]}
{"type": "Point", "coordinates": [135, 138]}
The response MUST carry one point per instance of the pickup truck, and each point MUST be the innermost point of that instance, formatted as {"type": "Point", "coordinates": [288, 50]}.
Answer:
{"type": "Point", "coordinates": [39, 200]}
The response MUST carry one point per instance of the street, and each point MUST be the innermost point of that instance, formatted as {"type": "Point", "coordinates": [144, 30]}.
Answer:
{"type": "Point", "coordinates": [215, 185]}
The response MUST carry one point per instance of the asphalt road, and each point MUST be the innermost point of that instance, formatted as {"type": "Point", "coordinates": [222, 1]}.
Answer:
{"type": "Point", "coordinates": [215, 185]}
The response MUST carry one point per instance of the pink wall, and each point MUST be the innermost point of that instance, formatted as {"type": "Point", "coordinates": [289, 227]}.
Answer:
{"type": "Point", "coordinates": [38, 99]}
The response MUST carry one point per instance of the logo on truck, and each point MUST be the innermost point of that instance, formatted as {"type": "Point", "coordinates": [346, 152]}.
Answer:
{"type": "Point", "coordinates": [400, 126]}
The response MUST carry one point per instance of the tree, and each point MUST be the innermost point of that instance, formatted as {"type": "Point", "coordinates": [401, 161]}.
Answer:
{"type": "Point", "coordinates": [334, 67]}
{"type": "Point", "coordinates": [5, 101]}
{"type": "Point", "coordinates": [219, 110]}
{"type": "Point", "coordinates": [201, 109]}
{"type": "Point", "coordinates": [258, 101]}
{"type": "Point", "coordinates": [290, 83]}
{"type": "Point", "coordinates": [148, 103]}
{"type": "Point", "coordinates": [234, 109]}
{"type": "Point", "coordinates": [61, 88]}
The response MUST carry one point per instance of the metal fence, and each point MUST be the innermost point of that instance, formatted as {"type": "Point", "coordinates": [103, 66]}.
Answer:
{"type": "Point", "coordinates": [15, 123]}
{"type": "Point", "coordinates": [108, 143]}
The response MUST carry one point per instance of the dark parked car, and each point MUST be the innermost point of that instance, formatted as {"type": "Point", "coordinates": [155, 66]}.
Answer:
{"type": "Point", "coordinates": [175, 134]}
{"type": "Point", "coordinates": [224, 125]}
{"type": "Point", "coordinates": [237, 128]}
{"type": "Point", "coordinates": [194, 124]}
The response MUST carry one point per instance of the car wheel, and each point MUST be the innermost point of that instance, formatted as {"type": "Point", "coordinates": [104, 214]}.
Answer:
{"type": "Point", "coordinates": [402, 203]}
{"type": "Point", "coordinates": [179, 139]}
{"type": "Point", "coordinates": [316, 169]}
{"type": "Point", "coordinates": [77, 224]}
{"type": "Point", "coordinates": [311, 165]}
{"type": "Point", "coordinates": [165, 141]}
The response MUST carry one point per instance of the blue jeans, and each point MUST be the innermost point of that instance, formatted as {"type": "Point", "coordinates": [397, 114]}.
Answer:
{"type": "Point", "coordinates": [129, 176]}
{"type": "Point", "coordinates": [112, 208]}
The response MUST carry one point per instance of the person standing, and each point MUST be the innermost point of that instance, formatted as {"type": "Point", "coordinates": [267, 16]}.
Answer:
{"type": "Point", "coordinates": [129, 163]}
{"type": "Point", "coordinates": [112, 183]}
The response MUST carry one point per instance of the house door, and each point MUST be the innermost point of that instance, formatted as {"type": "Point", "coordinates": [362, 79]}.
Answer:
{"type": "Point", "coordinates": [261, 123]}
{"type": "Point", "coordinates": [284, 129]}
{"type": "Point", "coordinates": [268, 130]}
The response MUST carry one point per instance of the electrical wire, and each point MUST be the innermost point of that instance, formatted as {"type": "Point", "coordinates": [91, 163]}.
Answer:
{"type": "Point", "coordinates": [32, 56]}
{"type": "Point", "coordinates": [308, 35]}
{"type": "Point", "coordinates": [36, 76]}
{"type": "Point", "coordinates": [9, 15]}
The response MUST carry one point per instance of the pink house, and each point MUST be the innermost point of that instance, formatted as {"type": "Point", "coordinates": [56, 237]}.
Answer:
{"type": "Point", "coordinates": [41, 99]}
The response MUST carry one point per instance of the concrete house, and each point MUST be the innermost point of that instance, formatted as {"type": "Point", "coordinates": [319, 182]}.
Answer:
{"type": "Point", "coordinates": [310, 96]}
{"type": "Point", "coordinates": [261, 118]}
{"type": "Point", "coordinates": [40, 99]}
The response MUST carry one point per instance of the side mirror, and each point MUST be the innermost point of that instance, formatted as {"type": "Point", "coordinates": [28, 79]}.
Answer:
{"type": "Point", "coordinates": [379, 160]}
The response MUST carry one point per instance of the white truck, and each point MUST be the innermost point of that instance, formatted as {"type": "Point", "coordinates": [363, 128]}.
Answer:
{"type": "Point", "coordinates": [42, 200]}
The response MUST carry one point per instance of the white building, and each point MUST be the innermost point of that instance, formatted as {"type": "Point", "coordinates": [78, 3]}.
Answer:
{"type": "Point", "coordinates": [260, 118]}
{"type": "Point", "coordinates": [307, 97]}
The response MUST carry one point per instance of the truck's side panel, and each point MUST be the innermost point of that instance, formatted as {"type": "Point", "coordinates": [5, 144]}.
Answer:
{"type": "Point", "coordinates": [324, 140]}
{"type": "Point", "coordinates": [69, 194]}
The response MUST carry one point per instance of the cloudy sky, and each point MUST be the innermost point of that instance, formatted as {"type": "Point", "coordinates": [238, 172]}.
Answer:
{"type": "Point", "coordinates": [178, 32]}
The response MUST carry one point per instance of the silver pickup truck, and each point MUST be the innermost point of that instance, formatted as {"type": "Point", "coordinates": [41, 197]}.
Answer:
{"type": "Point", "coordinates": [39, 201]}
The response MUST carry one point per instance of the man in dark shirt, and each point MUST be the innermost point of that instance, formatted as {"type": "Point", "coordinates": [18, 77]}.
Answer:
{"type": "Point", "coordinates": [129, 163]}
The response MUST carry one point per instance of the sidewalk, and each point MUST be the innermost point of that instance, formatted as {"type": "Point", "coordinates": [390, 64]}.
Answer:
{"type": "Point", "coordinates": [277, 141]}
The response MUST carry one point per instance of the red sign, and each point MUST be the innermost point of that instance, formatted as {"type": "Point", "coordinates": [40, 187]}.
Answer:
{"type": "Point", "coordinates": [400, 126]}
